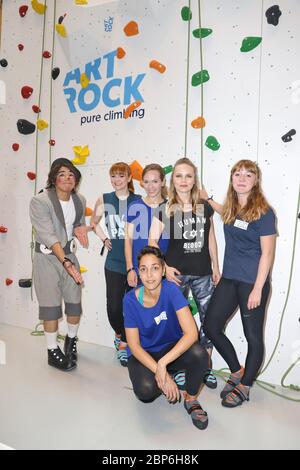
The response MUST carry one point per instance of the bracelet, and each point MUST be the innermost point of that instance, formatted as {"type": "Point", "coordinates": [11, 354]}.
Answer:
{"type": "Point", "coordinates": [65, 260]}
{"type": "Point", "coordinates": [131, 269]}
{"type": "Point", "coordinates": [210, 198]}
{"type": "Point", "coordinates": [103, 241]}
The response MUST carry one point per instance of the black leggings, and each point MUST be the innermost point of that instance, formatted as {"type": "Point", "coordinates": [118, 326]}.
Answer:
{"type": "Point", "coordinates": [229, 295]}
{"type": "Point", "coordinates": [116, 288]}
{"type": "Point", "coordinates": [194, 362]}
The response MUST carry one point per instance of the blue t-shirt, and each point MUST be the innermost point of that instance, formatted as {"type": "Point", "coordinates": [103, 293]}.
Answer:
{"type": "Point", "coordinates": [158, 326]}
{"type": "Point", "coordinates": [140, 215]}
{"type": "Point", "coordinates": [115, 211]}
{"type": "Point", "coordinates": [242, 250]}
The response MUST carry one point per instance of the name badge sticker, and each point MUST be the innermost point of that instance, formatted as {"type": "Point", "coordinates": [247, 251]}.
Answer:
{"type": "Point", "coordinates": [241, 224]}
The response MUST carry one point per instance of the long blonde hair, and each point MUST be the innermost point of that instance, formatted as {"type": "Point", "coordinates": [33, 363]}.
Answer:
{"type": "Point", "coordinates": [123, 168]}
{"type": "Point", "coordinates": [257, 204]}
{"type": "Point", "coordinates": [157, 167]}
{"type": "Point", "coordinates": [174, 203]}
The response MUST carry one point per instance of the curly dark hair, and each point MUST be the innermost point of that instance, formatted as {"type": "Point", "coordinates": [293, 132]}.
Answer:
{"type": "Point", "coordinates": [54, 170]}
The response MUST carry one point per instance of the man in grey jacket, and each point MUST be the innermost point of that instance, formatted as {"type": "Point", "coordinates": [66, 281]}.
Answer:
{"type": "Point", "coordinates": [57, 214]}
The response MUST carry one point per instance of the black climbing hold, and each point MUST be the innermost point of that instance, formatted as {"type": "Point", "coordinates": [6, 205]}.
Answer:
{"type": "Point", "coordinates": [25, 282]}
{"type": "Point", "coordinates": [288, 136]}
{"type": "Point", "coordinates": [3, 63]}
{"type": "Point", "coordinates": [55, 73]}
{"type": "Point", "coordinates": [273, 14]}
{"type": "Point", "coordinates": [25, 127]}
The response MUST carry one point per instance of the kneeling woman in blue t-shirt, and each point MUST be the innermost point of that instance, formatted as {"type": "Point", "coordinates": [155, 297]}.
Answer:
{"type": "Point", "coordinates": [163, 338]}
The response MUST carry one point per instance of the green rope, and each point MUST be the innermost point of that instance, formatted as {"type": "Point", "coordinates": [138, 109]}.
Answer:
{"type": "Point", "coordinates": [36, 140]}
{"type": "Point", "coordinates": [202, 105]}
{"type": "Point", "coordinates": [187, 85]}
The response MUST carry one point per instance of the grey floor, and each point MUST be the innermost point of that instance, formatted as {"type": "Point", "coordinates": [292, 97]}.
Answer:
{"type": "Point", "coordinates": [93, 407]}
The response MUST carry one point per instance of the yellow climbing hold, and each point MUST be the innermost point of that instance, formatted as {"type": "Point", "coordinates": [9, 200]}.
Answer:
{"type": "Point", "coordinates": [84, 80]}
{"type": "Point", "coordinates": [41, 124]}
{"type": "Point", "coordinates": [83, 269]}
{"type": "Point", "coordinates": [39, 7]}
{"type": "Point", "coordinates": [81, 2]}
{"type": "Point", "coordinates": [81, 153]}
{"type": "Point", "coordinates": [61, 29]}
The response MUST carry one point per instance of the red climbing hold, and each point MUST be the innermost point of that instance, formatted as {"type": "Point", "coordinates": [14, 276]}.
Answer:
{"type": "Point", "coordinates": [23, 10]}
{"type": "Point", "coordinates": [3, 229]}
{"type": "Point", "coordinates": [31, 175]}
{"type": "Point", "coordinates": [36, 109]}
{"type": "Point", "coordinates": [52, 142]}
{"type": "Point", "coordinates": [26, 91]}
{"type": "Point", "coordinates": [15, 147]}
{"type": "Point", "coordinates": [8, 282]}
{"type": "Point", "coordinates": [46, 54]}
{"type": "Point", "coordinates": [20, 47]}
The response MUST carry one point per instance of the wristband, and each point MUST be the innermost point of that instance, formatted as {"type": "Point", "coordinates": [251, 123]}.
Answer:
{"type": "Point", "coordinates": [131, 269]}
{"type": "Point", "coordinates": [210, 198]}
{"type": "Point", "coordinates": [65, 260]}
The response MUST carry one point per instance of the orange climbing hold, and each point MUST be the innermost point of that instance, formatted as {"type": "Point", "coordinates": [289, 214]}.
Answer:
{"type": "Point", "coordinates": [198, 123]}
{"type": "Point", "coordinates": [120, 53]}
{"type": "Point", "coordinates": [88, 211]}
{"type": "Point", "coordinates": [154, 64]}
{"type": "Point", "coordinates": [136, 170]}
{"type": "Point", "coordinates": [131, 29]}
{"type": "Point", "coordinates": [131, 108]}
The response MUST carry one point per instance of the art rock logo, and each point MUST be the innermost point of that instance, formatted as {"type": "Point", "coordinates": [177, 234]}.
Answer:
{"type": "Point", "coordinates": [2, 353]}
{"type": "Point", "coordinates": [103, 89]}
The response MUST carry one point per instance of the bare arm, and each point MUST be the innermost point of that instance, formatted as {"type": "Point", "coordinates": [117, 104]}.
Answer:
{"type": "Point", "coordinates": [69, 266]}
{"type": "Point", "coordinates": [213, 251]}
{"type": "Point", "coordinates": [95, 220]}
{"type": "Point", "coordinates": [132, 275]}
{"type": "Point", "coordinates": [215, 205]}
{"type": "Point", "coordinates": [267, 244]}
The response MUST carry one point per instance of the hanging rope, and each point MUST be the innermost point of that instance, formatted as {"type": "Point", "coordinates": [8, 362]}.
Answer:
{"type": "Point", "coordinates": [187, 84]}
{"type": "Point", "coordinates": [201, 94]}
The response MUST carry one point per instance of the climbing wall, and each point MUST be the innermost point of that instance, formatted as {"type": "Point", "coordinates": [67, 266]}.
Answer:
{"type": "Point", "coordinates": [150, 81]}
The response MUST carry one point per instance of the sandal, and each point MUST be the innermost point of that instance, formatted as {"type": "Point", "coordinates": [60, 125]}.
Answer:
{"type": "Point", "coordinates": [197, 412]}
{"type": "Point", "coordinates": [209, 379]}
{"type": "Point", "coordinates": [231, 383]}
{"type": "Point", "coordinates": [235, 398]}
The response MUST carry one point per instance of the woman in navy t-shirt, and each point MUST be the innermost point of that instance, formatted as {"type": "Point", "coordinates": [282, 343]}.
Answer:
{"type": "Point", "coordinates": [250, 233]}
{"type": "Point", "coordinates": [162, 339]}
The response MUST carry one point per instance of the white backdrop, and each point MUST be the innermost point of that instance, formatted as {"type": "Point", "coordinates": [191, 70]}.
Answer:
{"type": "Point", "coordinates": [250, 101]}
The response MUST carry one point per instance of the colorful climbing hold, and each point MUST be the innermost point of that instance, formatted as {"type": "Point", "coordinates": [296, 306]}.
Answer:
{"type": "Point", "coordinates": [83, 269]}
{"type": "Point", "coordinates": [61, 18]}
{"type": "Point", "coordinates": [55, 72]}
{"type": "Point", "coordinates": [8, 281]}
{"type": "Point", "coordinates": [88, 211]}
{"type": "Point", "coordinates": [23, 10]}
{"type": "Point", "coordinates": [26, 91]}
{"type": "Point", "coordinates": [120, 53]}
{"type": "Point", "coordinates": [38, 7]}
{"type": "Point", "coordinates": [154, 64]}
{"type": "Point", "coordinates": [131, 29]}
{"type": "Point", "coordinates": [186, 14]}
{"type": "Point", "coordinates": [212, 143]}
{"type": "Point", "coordinates": [20, 47]}
{"type": "Point", "coordinates": [41, 124]}
{"type": "Point", "coordinates": [202, 32]}
{"type": "Point", "coordinates": [3, 229]}
{"type": "Point", "coordinates": [198, 123]}
{"type": "Point", "coordinates": [200, 77]}
{"type": "Point", "coordinates": [15, 147]}
{"type": "Point", "coordinates": [168, 169]}
{"type": "Point", "coordinates": [31, 175]}
{"type": "Point", "coordinates": [288, 136]}
{"type": "Point", "coordinates": [273, 14]}
{"type": "Point", "coordinates": [3, 63]}
{"type": "Point", "coordinates": [192, 305]}
{"type": "Point", "coordinates": [136, 170]}
{"type": "Point", "coordinates": [81, 2]}
{"type": "Point", "coordinates": [250, 43]}
{"type": "Point", "coordinates": [84, 80]}
{"type": "Point", "coordinates": [46, 54]}
{"type": "Point", "coordinates": [61, 29]}
{"type": "Point", "coordinates": [81, 154]}
{"type": "Point", "coordinates": [52, 142]}
{"type": "Point", "coordinates": [36, 109]}
{"type": "Point", "coordinates": [25, 127]}
{"type": "Point", "coordinates": [25, 282]}
{"type": "Point", "coordinates": [131, 108]}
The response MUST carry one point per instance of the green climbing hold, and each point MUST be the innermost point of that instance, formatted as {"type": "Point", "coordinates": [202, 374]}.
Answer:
{"type": "Point", "coordinates": [200, 77]}
{"type": "Point", "coordinates": [201, 32]}
{"type": "Point", "coordinates": [168, 169]}
{"type": "Point", "coordinates": [186, 14]}
{"type": "Point", "coordinates": [250, 43]}
{"type": "Point", "coordinates": [212, 143]}
{"type": "Point", "coordinates": [193, 305]}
